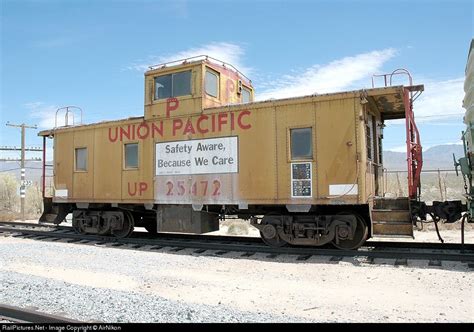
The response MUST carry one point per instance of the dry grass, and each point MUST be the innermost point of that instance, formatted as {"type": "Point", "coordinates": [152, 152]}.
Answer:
{"type": "Point", "coordinates": [236, 227]}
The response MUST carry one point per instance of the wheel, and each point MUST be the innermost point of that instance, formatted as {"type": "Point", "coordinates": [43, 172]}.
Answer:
{"type": "Point", "coordinates": [77, 227]}
{"type": "Point", "coordinates": [359, 237]}
{"type": "Point", "coordinates": [127, 228]}
{"type": "Point", "coordinates": [269, 234]}
{"type": "Point", "coordinates": [273, 242]}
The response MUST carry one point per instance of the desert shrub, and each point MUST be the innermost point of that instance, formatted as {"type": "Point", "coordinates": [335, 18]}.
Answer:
{"type": "Point", "coordinates": [33, 200]}
{"type": "Point", "coordinates": [8, 192]}
{"type": "Point", "coordinates": [238, 228]}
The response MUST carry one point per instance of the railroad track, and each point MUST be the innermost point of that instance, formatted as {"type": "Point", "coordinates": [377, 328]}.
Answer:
{"type": "Point", "coordinates": [248, 246]}
{"type": "Point", "coordinates": [23, 315]}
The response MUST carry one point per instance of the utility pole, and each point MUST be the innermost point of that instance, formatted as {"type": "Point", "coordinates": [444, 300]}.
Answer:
{"type": "Point", "coordinates": [22, 160]}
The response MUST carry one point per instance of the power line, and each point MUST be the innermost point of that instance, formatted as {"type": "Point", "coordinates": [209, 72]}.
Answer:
{"type": "Point", "coordinates": [22, 160]}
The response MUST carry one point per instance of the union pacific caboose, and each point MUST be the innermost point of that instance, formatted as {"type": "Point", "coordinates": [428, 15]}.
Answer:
{"type": "Point", "coordinates": [305, 170]}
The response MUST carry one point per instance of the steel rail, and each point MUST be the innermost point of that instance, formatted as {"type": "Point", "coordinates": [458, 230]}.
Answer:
{"type": "Point", "coordinates": [246, 247]}
{"type": "Point", "coordinates": [23, 315]}
{"type": "Point", "coordinates": [205, 237]}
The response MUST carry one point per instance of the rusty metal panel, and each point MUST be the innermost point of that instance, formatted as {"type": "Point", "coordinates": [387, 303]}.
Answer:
{"type": "Point", "coordinates": [399, 203]}
{"type": "Point", "coordinates": [392, 215]}
{"type": "Point", "coordinates": [392, 228]}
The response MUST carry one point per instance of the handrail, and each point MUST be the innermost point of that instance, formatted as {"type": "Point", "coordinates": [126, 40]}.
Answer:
{"type": "Point", "coordinates": [414, 148]}
{"type": "Point", "coordinates": [399, 71]}
{"type": "Point", "coordinates": [66, 115]}
{"type": "Point", "coordinates": [206, 57]}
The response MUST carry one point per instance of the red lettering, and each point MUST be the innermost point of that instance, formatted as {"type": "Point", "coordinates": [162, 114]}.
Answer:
{"type": "Point", "coordinates": [130, 193]}
{"type": "Point", "coordinates": [189, 129]}
{"type": "Point", "coordinates": [110, 134]}
{"type": "Point", "coordinates": [124, 133]}
{"type": "Point", "coordinates": [156, 129]}
{"type": "Point", "coordinates": [199, 128]}
{"type": "Point", "coordinates": [221, 120]}
{"type": "Point", "coordinates": [232, 124]}
{"type": "Point", "coordinates": [172, 104]}
{"type": "Point", "coordinates": [213, 122]}
{"type": "Point", "coordinates": [133, 131]}
{"type": "Point", "coordinates": [142, 134]}
{"type": "Point", "coordinates": [143, 186]}
{"type": "Point", "coordinates": [177, 124]}
{"type": "Point", "coordinates": [239, 120]}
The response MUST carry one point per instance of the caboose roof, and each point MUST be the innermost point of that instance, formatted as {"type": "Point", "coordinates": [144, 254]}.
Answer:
{"type": "Point", "coordinates": [387, 100]}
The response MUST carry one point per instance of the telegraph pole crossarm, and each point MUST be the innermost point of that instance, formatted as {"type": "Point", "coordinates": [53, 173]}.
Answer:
{"type": "Point", "coordinates": [23, 159]}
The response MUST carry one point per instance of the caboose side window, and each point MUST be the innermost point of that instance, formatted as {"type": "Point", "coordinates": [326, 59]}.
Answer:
{"type": "Point", "coordinates": [81, 159]}
{"type": "Point", "coordinates": [212, 83]}
{"type": "Point", "coordinates": [173, 85]}
{"type": "Point", "coordinates": [301, 143]}
{"type": "Point", "coordinates": [131, 155]}
{"type": "Point", "coordinates": [245, 95]}
{"type": "Point", "coordinates": [369, 137]}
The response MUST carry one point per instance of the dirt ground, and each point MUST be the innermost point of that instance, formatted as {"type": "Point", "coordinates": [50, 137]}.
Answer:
{"type": "Point", "coordinates": [317, 289]}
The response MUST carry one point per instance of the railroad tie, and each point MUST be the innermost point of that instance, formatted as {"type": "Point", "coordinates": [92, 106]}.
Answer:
{"type": "Point", "coordinates": [303, 257]}
{"type": "Point", "coordinates": [434, 262]}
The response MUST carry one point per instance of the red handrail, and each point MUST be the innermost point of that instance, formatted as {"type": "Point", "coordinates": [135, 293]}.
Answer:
{"type": "Point", "coordinates": [414, 149]}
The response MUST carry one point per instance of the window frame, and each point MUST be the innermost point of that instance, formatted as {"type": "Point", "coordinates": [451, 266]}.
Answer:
{"type": "Point", "coordinates": [217, 74]}
{"type": "Point", "coordinates": [369, 137]}
{"type": "Point", "coordinates": [125, 167]}
{"type": "Point", "coordinates": [290, 155]}
{"type": "Point", "coordinates": [75, 159]}
{"type": "Point", "coordinates": [172, 85]}
{"type": "Point", "coordinates": [250, 94]}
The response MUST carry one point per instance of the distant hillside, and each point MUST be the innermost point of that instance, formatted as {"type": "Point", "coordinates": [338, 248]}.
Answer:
{"type": "Point", "coordinates": [439, 156]}
{"type": "Point", "coordinates": [33, 169]}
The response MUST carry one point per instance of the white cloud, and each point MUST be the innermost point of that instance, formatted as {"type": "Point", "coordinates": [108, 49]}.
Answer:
{"type": "Point", "coordinates": [403, 148]}
{"type": "Point", "coordinates": [46, 115]}
{"type": "Point", "coordinates": [440, 100]}
{"type": "Point", "coordinates": [400, 148]}
{"type": "Point", "coordinates": [439, 104]}
{"type": "Point", "coordinates": [224, 51]}
{"type": "Point", "coordinates": [335, 76]}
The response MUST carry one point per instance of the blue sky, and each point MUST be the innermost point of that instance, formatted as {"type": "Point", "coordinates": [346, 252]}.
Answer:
{"type": "Point", "coordinates": [93, 53]}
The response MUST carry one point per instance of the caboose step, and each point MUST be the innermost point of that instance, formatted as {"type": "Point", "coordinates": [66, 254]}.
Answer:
{"type": "Point", "coordinates": [48, 218]}
{"type": "Point", "coordinates": [389, 222]}
{"type": "Point", "coordinates": [392, 215]}
{"type": "Point", "coordinates": [399, 203]}
{"type": "Point", "coordinates": [389, 228]}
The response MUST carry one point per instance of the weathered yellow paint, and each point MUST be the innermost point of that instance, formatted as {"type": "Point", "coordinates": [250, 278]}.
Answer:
{"type": "Point", "coordinates": [64, 161]}
{"type": "Point", "coordinates": [107, 184]}
{"type": "Point", "coordinates": [338, 123]}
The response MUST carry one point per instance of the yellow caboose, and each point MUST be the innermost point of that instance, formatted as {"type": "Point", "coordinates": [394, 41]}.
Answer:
{"type": "Point", "coordinates": [305, 170]}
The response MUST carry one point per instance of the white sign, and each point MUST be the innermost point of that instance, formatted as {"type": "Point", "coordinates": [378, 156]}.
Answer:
{"type": "Point", "coordinates": [26, 183]}
{"type": "Point", "coordinates": [343, 189]}
{"type": "Point", "coordinates": [204, 156]}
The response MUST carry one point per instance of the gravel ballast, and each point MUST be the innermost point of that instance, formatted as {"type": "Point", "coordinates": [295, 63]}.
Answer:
{"type": "Point", "coordinates": [97, 283]}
